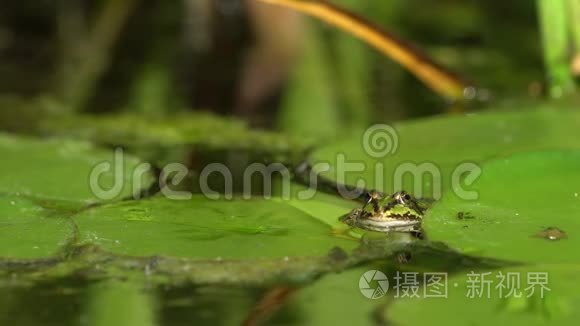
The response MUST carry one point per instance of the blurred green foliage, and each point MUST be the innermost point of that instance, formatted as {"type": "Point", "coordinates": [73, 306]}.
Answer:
{"type": "Point", "coordinates": [126, 73]}
{"type": "Point", "coordinates": [351, 82]}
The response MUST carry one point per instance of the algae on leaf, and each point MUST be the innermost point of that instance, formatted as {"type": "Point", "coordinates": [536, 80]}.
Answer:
{"type": "Point", "coordinates": [201, 129]}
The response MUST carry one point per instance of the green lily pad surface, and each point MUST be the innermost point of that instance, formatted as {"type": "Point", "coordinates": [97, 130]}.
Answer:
{"type": "Point", "coordinates": [527, 210]}
{"type": "Point", "coordinates": [61, 171]}
{"type": "Point", "coordinates": [321, 206]}
{"type": "Point", "coordinates": [203, 228]}
{"type": "Point", "coordinates": [27, 231]}
{"type": "Point", "coordinates": [387, 157]}
{"type": "Point", "coordinates": [519, 215]}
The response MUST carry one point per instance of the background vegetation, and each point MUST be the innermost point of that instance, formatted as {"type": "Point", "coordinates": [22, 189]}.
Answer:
{"type": "Point", "coordinates": [237, 82]}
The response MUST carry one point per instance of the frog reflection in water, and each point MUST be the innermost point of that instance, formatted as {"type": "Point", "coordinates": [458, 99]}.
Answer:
{"type": "Point", "coordinates": [397, 212]}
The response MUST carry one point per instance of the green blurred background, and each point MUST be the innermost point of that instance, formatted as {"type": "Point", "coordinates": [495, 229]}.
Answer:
{"type": "Point", "coordinates": [265, 64]}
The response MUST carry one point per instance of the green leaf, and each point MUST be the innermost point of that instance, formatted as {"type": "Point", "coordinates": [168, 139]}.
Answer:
{"type": "Point", "coordinates": [519, 198]}
{"type": "Point", "coordinates": [61, 171]}
{"type": "Point", "coordinates": [557, 307]}
{"type": "Point", "coordinates": [323, 207]}
{"type": "Point", "coordinates": [445, 142]}
{"type": "Point", "coordinates": [28, 231]}
{"type": "Point", "coordinates": [201, 129]}
{"type": "Point", "coordinates": [203, 228]}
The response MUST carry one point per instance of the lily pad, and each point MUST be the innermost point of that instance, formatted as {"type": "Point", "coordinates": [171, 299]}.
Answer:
{"type": "Point", "coordinates": [439, 145]}
{"type": "Point", "coordinates": [527, 210]}
{"type": "Point", "coordinates": [204, 228]}
{"type": "Point", "coordinates": [27, 231]}
{"type": "Point", "coordinates": [61, 171]}
{"type": "Point", "coordinates": [321, 206]}
{"type": "Point", "coordinates": [201, 129]}
{"type": "Point", "coordinates": [467, 302]}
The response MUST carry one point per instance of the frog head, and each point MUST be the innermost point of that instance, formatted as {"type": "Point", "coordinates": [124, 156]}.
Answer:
{"type": "Point", "coordinates": [385, 213]}
{"type": "Point", "coordinates": [402, 206]}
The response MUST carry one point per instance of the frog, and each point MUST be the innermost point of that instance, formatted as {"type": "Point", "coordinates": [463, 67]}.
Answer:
{"type": "Point", "coordinates": [385, 213]}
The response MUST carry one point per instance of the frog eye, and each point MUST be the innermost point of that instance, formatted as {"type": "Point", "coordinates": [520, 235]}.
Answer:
{"type": "Point", "coordinates": [407, 197]}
